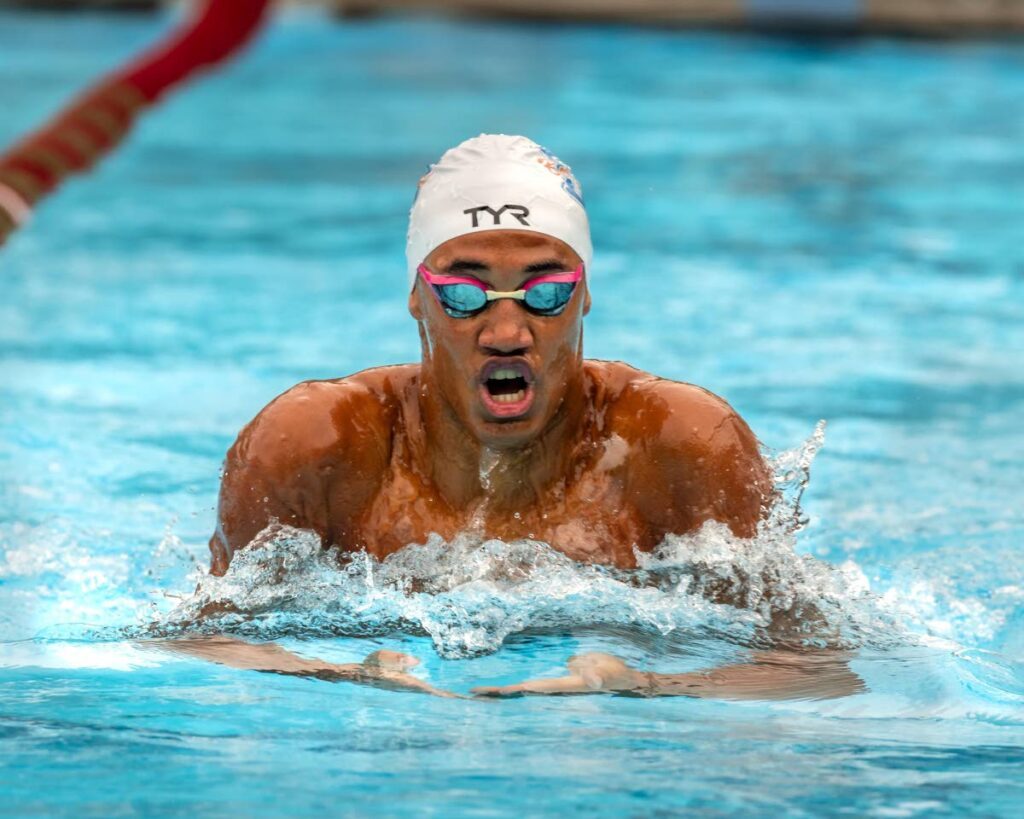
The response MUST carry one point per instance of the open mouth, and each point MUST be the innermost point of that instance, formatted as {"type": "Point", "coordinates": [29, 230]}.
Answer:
{"type": "Point", "coordinates": [507, 387]}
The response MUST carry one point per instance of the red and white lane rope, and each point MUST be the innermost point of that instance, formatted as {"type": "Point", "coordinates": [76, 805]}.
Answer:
{"type": "Point", "coordinates": [94, 124]}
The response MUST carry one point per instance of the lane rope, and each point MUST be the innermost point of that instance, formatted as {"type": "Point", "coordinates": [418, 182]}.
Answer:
{"type": "Point", "coordinates": [96, 121]}
{"type": "Point", "coordinates": [14, 205]}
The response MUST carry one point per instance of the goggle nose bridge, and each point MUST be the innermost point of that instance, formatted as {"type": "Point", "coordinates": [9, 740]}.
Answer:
{"type": "Point", "coordinates": [494, 295]}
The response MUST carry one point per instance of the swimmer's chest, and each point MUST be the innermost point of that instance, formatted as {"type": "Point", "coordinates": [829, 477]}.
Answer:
{"type": "Point", "coordinates": [591, 520]}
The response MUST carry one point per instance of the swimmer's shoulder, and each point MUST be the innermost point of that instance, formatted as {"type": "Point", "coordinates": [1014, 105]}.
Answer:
{"type": "Point", "coordinates": [325, 422]}
{"type": "Point", "coordinates": [689, 451]}
{"type": "Point", "coordinates": [675, 413]}
{"type": "Point", "coordinates": [316, 442]}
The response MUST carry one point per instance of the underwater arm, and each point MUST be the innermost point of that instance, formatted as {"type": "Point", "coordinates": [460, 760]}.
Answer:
{"type": "Point", "coordinates": [773, 675]}
{"type": "Point", "coordinates": [381, 669]}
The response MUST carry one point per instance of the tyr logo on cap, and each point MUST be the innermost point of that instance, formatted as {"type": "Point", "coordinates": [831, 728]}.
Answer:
{"type": "Point", "coordinates": [519, 212]}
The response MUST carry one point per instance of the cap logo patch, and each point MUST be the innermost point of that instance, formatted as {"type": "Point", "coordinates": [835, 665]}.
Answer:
{"type": "Point", "coordinates": [518, 212]}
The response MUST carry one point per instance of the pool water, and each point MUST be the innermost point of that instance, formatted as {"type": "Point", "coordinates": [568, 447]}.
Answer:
{"type": "Point", "coordinates": [814, 230]}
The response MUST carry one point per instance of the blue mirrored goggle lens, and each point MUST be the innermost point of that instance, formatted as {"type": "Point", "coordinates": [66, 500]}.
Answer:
{"type": "Point", "coordinates": [461, 298]}
{"type": "Point", "coordinates": [549, 296]}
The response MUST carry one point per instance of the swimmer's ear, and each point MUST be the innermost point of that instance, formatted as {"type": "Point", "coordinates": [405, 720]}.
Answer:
{"type": "Point", "coordinates": [586, 300]}
{"type": "Point", "coordinates": [415, 308]}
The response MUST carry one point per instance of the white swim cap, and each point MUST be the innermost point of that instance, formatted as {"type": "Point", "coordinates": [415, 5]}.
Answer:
{"type": "Point", "coordinates": [496, 182]}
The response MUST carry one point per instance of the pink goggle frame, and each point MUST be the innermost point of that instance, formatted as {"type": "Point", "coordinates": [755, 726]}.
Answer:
{"type": "Point", "coordinates": [439, 282]}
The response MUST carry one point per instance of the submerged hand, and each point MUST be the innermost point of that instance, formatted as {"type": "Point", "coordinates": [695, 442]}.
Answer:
{"type": "Point", "coordinates": [389, 669]}
{"type": "Point", "coordinates": [590, 673]}
{"type": "Point", "coordinates": [773, 675]}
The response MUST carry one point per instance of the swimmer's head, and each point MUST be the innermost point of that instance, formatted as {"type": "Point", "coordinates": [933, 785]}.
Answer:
{"type": "Point", "coordinates": [496, 182]}
{"type": "Point", "coordinates": [499, 250]}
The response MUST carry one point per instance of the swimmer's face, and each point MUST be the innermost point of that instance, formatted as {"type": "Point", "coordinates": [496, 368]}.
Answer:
{"type": "Point", "coordinates": [505, 371]}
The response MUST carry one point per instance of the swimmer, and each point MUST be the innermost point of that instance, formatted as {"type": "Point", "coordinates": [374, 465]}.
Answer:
{"type": "Point", "coordinates": [503, 427]}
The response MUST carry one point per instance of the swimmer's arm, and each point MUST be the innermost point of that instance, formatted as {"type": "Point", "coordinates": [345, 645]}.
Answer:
{"type": "Point", "coordinates": [266, 478]}
{"type": "Point", "coordinates": [381, 669]}
{"type": "Point", "coordinates": [269, 475]}
{"type": "Point", "coordinates": [316, 441]}
{"type": "Point", "coordinates": [250, 500]}
{"type": "Point", "coordinates": [773, 675]}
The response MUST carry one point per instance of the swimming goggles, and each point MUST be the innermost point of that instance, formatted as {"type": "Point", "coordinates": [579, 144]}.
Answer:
{"type": "Point", "coordinates": [463, 297]}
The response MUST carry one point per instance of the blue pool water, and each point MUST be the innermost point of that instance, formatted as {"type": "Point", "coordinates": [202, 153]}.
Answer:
{"type": "Point", "coordinates": [833, 231]}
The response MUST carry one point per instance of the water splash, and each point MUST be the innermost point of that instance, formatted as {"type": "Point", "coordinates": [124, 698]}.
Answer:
{"type": "Point", "coordinates": [471, 594]}
{"type": "Point", "coordinates": [791, 470]}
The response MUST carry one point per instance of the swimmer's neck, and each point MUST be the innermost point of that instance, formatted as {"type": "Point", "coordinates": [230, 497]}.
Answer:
{"type": "Point", "coordinates": [467, 471]}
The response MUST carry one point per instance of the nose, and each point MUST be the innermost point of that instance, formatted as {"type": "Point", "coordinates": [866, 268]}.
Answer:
{"type": "Point", "coordinates": [505, 329]}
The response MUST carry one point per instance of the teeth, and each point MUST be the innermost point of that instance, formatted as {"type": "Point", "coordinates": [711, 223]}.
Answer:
{"type": "Point", "coordinates": [509, 398]}
{"type": "Point", "coordinates": [504, 375]}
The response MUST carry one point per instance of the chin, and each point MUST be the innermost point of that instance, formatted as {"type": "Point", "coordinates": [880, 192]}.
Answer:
{"type": "Point", "coordinates": [507, 435]}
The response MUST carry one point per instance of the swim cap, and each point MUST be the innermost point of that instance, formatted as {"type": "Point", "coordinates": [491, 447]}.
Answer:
{"type": "Point", "coordinates": [496, 182]}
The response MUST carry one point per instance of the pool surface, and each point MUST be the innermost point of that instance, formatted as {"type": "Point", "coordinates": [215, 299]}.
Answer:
{"type": "Point", "coordinates": [814, 230]}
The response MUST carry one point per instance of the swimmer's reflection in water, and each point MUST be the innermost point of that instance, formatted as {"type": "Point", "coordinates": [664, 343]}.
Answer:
{"type": "Point", "coordinates": [503, 428]}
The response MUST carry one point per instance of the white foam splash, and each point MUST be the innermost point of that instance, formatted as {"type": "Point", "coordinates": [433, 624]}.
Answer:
{"type": "Point", "coordinates": [470, 594]}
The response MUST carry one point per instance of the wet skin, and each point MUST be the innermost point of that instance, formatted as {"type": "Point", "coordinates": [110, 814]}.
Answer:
{"type": "Point", "coordinates": [594, 458]}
